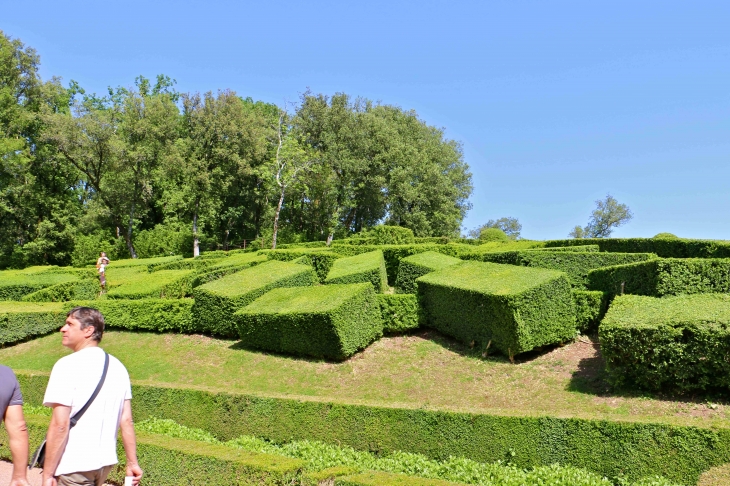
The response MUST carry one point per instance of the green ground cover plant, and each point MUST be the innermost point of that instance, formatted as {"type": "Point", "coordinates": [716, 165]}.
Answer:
{"type": "Point", "coordinates": [23, 320]}
{"type": "Point", "coordinates": [216, 301]}
{"type": "Point", "coordinates": [328, 321]}
{"type": "Point", "coordinates": [504, 308]}
{"type": "Point", "coordinates": [169, 284]}
{"type": "Point", "coordinates": [673, 343]}
{"type": "Point", "coordinates": [400, 312]}
{"type": "Point", "coordinates": [663, 247]}
{"type": "Point", "coordinates": [15, 284]}
{"type": "Point", "coordinates": [575, 264]}
{"type": "Point", "coordinates": [366, 267]}
{"type": "Point", "coordinates": [664, 276]}
{"type": "Point", "coordinates": [157, 315]}
{"type": "Point", "coordinates": [414, 266]}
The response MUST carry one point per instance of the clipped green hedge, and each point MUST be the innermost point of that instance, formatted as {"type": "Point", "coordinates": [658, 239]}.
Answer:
{"type": "Point", "coordinates": [168, 284]}
{"type": "Point", "coordinates": [15, 284]}
{"type": "Point", "coordinates": [664, 276]}
{"type": "Point", "coordinates": [575, 264]}
{"type": "Point", "coordinates": [235, 263]}
{"type": "Point", "coordinates": [664, 247]}
{"type": "Point", "coordinates": [674, 343]}
{"type": "Point", "coordinates": [414, 266]}
{"type": "Point", "coordinates": [578, 248]}
{"type": "Point", "coordinates": [80, 289]}
{"type": "Point", "coordinates": [319, 259]}
{"type": "Point", "coordinates": [327, 321]}
{"type": "Point", "coordinates": [216, 301]}
{"type": "Point", "coordinates": [158, 315]}
{"type": "Point", "coordinates": [590, 307]}
{"type": "Point", "coordinates": [389, 235]}
{"type": "Point", "coordinates": [393, 254]}
{"type": "Point", "coordinates": [400, 312]}
{"type": "Point", "coordinates": [633, 450]}
{"type": "Point", "coordinates": [513, 309]}
{"type": "Point", "coordinates": [366, 267]}
{"type": "Point", "coordinates": [143, 262]}
{"type": "Point", "coordinates": [22, 320]}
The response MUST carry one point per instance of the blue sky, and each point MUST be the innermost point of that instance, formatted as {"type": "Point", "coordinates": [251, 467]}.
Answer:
{"type": "Point", "coordinates": [556, 103]}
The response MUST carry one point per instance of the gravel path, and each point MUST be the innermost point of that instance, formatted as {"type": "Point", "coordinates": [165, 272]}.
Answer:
{"type": "Point", "coordinates": [6, 472]}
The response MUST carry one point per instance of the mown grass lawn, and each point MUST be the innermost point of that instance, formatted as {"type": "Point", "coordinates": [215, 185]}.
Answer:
{"type": "Point", "coordinates": [422, 370]}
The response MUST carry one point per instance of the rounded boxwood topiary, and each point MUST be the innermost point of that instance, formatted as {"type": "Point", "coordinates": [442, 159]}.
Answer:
{"type": "Point", "coordinates": [666, 236]}
{"type": "Point", "coordinates": [493, 234]}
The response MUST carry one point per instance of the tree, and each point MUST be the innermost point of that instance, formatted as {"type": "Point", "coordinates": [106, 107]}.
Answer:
{"type": "Point", "coordinates": [510, 226]}
{"type": "Point", "coordinates": [609, 214]}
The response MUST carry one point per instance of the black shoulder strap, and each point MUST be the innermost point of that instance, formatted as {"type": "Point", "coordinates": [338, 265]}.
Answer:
{"type": "Point", "coordinates": [81, 412]}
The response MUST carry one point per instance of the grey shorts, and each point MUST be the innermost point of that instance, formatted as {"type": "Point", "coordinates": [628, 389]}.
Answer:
{"type": "Point", "coordinates": [86, 478]}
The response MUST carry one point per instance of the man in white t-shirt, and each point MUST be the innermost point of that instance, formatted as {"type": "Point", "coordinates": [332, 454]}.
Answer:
{"type": "Point", "coordinates": [85, 454]}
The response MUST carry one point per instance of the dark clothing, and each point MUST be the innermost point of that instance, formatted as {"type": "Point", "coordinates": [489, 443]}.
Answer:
{"type": "Point", "coordinates": [9, 390]}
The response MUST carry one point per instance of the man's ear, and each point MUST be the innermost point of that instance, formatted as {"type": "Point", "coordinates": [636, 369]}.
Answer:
{"type": "Point", "coordinates": [88, 331]}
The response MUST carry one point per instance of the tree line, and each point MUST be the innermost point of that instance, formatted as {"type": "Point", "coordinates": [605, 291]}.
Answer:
{"type": "Point", "coordinates": [147, 170]}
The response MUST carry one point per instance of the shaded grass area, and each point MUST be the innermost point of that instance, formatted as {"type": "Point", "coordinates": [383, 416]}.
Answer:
{"type": "Point", "coordinates": [423, 370]}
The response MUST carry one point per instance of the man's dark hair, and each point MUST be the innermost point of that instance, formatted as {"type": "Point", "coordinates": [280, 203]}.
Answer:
{"type": "Point", "coordinates": [89, 317]}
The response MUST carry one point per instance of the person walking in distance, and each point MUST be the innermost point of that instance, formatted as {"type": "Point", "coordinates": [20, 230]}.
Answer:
{"type": "Point", "coordinates": [11, 412]}
{"type": "Point", "coordinates": [84, 454]}
{"type": "Point", "coordinates": [101, 264]}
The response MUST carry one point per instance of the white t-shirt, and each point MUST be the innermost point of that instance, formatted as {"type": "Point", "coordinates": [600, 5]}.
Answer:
{"type": "Point", "coordinates": [92, 443]}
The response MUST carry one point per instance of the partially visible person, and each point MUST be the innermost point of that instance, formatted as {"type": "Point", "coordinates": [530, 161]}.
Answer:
{"type": "Point", "coordinates": [85, 454]}
{"type": "Point", "coordinates": [101, 264]}
{"type": "Point", "coordinates": [11, 411]}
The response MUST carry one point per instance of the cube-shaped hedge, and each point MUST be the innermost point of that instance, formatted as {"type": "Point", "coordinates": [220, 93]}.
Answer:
{"type": "Point", "coordinates": [163, 284]}
{"type": "Point", "coordinates": [158, 315]}
{"type": "Point", "coordinates": [15, 284]}
{"type": "Point", "coordinates": [414, 266]}
{"type": "Point", "coordinates": [503, 307]}
{"type": "Point", "coordinates": [677, 343]}
{"type": "Point", "coordinates": [329, 321]}
{"type": "Point", "coordinates": [23, 320]}
{"type": "Point", "coordinates": [366, 267]}
{"type": "Point", "coordinates": [216, 301]}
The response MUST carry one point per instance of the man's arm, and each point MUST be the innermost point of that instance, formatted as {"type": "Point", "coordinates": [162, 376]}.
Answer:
{"type": "Point", "coordinates": [18, 435]}
{"type": "Point", "coordinates": [56, 440]}
{"type": "Point", "coordinates": [129, 440]}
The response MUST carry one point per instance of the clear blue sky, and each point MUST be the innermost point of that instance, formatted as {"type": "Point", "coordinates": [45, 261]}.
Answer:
{"type": "Point", "coordinates": [556, 103]}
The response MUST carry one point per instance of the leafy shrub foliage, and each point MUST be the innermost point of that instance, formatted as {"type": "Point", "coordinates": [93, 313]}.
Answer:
{"type": "Point", "coordinates": [366, 267]}
{"type": "Point", "coordinates": [23, 320]}
{"type": "Point", "coordinates": [575, 264]}
{"type": "Point", "coordinates": [147, 263]}
{"type": "Point", "coordinates": [15, 284]}
{"type": "Point", "coordinates": [678, 453]}
{"type": "Point", "coordinates": [664, 247]}
{"type": "Point", "coordinates": [216, 301]}
{"type": "Point", "coordinates": [320, 260]}
{"type": "Point", "coordinates": [674, 343]}
{"type": "Point", "coordinates": [87, 288]}
{"type": "Point", "coordinates": [493, 234]}
{"type": "Point", "coordinates": [414, 266]}
{"type": "Point", "coordinates": [590, 307]}
{"type": "Point", "coordinates": [169, 284]}
{"type": "Point", "coordinates": [665, 236]}
{"type": "Point", "coordinates": [158, 315]}
{"type": "Point", "coordinates": [666, 276]}
{"type": "Point", "coordinates": [400, 312]}
{"type": "Point", "coordinates": [389, 235]}
{"type": "Point", "coordinates": [330, 321]}
{"type": "Point", "coordinates": [516, 309]}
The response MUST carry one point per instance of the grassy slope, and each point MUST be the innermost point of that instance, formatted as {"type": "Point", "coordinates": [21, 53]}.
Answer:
{"type": "Point", "coordinates": [423, 370]}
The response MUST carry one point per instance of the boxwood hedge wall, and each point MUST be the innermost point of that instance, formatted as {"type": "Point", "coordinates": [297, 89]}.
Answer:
{"type": "Point", "coordinates": [14, 285]}
{"type": "Point", "coordinates": [590, 307]}
{"type": "Point", "coordinates": [414, 266]}
{"type": "Point", "coordinates": [516, 309]}
{"type": "Point", "coordinates": [400, 312]}
{"type": "Point", "coordinates": [667, 248]}
{"type": "Point", "coordinates": [87, 288]}
{"type": "Point", "coordinates": [673, 343]}
{"type": "Point", "coordinates": [158, 315]}
{"type": "Point", "coordinates": [664, 276]}
{"type": "Point", "coordinates": [22, 320]}
{"type": "Point", "coordinates": [168, 284]}
{"type": "Point", "coordinates": [612, 448]}
{"type": "Point", "coordinates": [366, 267]}
{"type": "Point", "coordinates": [320, 260]}
{"type": "Point", "coordinates": [216, 301]}
{"type": "Point", "coordinates": [326, 321]}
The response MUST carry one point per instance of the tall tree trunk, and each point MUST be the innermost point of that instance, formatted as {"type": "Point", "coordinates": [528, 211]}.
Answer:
{"type": "Point", "coordinates": [196, 240]}
{"type": "Point", "coordinates": [128, 235]}
{"type": "Point", "coordinates": [276, 219]}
